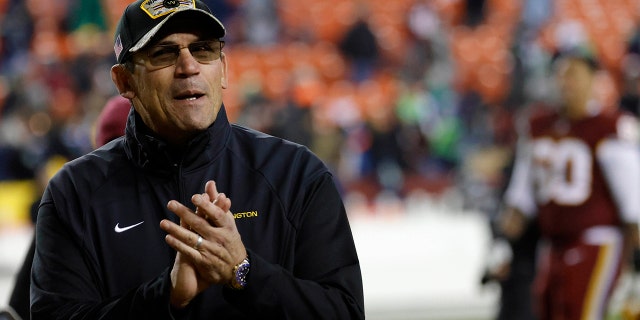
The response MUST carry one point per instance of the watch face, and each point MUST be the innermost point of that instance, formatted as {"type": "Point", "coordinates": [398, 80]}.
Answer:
{"type": "Point", "coordinates": [241, 273]}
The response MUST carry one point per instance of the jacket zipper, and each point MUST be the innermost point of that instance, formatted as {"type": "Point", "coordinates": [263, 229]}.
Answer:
{"type": "Point", "coordinates": [181, 190]}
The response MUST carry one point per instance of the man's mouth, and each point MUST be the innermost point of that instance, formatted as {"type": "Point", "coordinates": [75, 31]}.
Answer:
{"type": "Point", "coordinates": [189, 97]}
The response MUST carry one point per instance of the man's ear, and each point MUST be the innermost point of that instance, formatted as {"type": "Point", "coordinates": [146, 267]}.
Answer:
{"type": "Point", "coordinates": [121, 77]}
{"type": "Point", "coordinates": [225, 79]}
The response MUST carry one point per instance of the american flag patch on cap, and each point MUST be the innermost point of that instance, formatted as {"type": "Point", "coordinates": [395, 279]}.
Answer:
{"type": "Point", "coordinates": [117, 47]}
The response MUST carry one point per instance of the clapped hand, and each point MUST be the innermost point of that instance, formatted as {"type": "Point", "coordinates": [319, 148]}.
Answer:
{"type": "Point", "coordinates": [207, 242]}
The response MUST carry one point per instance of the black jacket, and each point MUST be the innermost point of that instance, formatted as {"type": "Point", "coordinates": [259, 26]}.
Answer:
{"type": "Point", "coordinates": [290, 215]}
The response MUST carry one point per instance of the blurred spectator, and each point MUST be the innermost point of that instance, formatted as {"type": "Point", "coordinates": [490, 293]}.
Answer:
{"type": "Point", "coordinates": [112, 120]}
{"type": "Point", "coordinates": [416, 112]}
{"type": "Point", "coordinates": [86, 14]}
{"type": "Point", "coordinates": [13, 166]}
{"type": "Point", "coordinates": [16, 31]}
{"type": "Point", "coordinates": [535, 14]}
{"type": "Point", "coordinates": [630, 97]}
{"type": "Point", "coordinates": [475, 12]}
{"type": "Point", "coordinates": [294, 121]}
{"type": "Point", "coordinates": [385, 156]}
{"type": "Point", "coordinates": [327, 142]}
{"type": "Point", "coordinates": [360, 46]}
{"type": "Point", "coordinates": [424, 28]}
{"type": "Point", "coordinates": [260, 22]}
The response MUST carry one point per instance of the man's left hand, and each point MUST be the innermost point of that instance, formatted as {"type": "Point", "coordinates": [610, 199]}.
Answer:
{"type": "Point", "coordinates": [220, 248]}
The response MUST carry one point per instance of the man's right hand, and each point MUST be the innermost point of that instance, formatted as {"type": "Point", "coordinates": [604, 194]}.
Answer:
{"type": "Point", "coordinates": [184, 282]}
{"type": "Point", "coordinates": [512, 223]}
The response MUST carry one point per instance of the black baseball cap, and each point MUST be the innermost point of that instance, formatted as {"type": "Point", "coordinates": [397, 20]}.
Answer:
{"type": "Point", "coordinates": [142, 20]}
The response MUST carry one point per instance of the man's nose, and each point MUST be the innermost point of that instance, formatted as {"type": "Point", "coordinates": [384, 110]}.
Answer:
{"type": "Point", "coordinates": [186, 63]}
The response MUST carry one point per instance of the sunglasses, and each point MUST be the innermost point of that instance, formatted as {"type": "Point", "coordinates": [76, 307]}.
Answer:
{"type": "Point", "coordinates": [164, 55]}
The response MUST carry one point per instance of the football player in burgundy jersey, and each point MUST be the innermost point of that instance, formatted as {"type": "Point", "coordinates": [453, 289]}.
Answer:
{"type": "Point", "coordinates": [577, 171]}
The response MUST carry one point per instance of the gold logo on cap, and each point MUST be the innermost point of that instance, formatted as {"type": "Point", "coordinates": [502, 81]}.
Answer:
{"type": "Point", "coordinates": [159, 8]}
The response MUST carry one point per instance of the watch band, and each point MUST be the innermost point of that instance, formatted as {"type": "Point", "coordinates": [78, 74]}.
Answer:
{"type": "Point", "coordinates": [240, 271]}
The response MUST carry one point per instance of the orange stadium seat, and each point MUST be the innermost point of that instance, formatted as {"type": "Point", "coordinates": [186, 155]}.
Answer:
{"type": "Point", "coordinates": [273, 57]}
{"type": "Point", "coordinates": [326, 58]}
{"type": "Point", "coordinates": [298, 54]}
{"type": "Point", "coordinates": [276, 83]}
{"type": "Point", "coordinates": [3, 6]}
{"type": "Point", "coordinates": [291, 14]}
{"type": "Point", "coordinates": [450, 11]}
{"type": "Point", "coordinates": [232, 101]}
{"type": "Point", "coordinates": [633, 7]}
{"type": "Point", "coordinates": [376, 97]}
{"type": "Point", "coordinates": [325, 22]}
{"type": "Point", "coordinates": [342, 89]}
{"type": "Point", "coordinates": [464, 49]}
{"type": "Point", "coordinates": [344, 13]}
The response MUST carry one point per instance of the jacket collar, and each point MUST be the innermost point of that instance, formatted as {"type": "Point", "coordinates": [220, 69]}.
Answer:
{"type": "Point", "coordinates": [149, 152]}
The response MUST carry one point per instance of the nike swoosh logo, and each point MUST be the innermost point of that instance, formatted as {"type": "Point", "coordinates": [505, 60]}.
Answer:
{"type": "Point", "coordinates": [118, 229]}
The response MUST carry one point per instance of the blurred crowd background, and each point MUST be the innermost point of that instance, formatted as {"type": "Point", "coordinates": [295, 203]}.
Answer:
{"type": "Point", "coordinates": [400, 98]}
